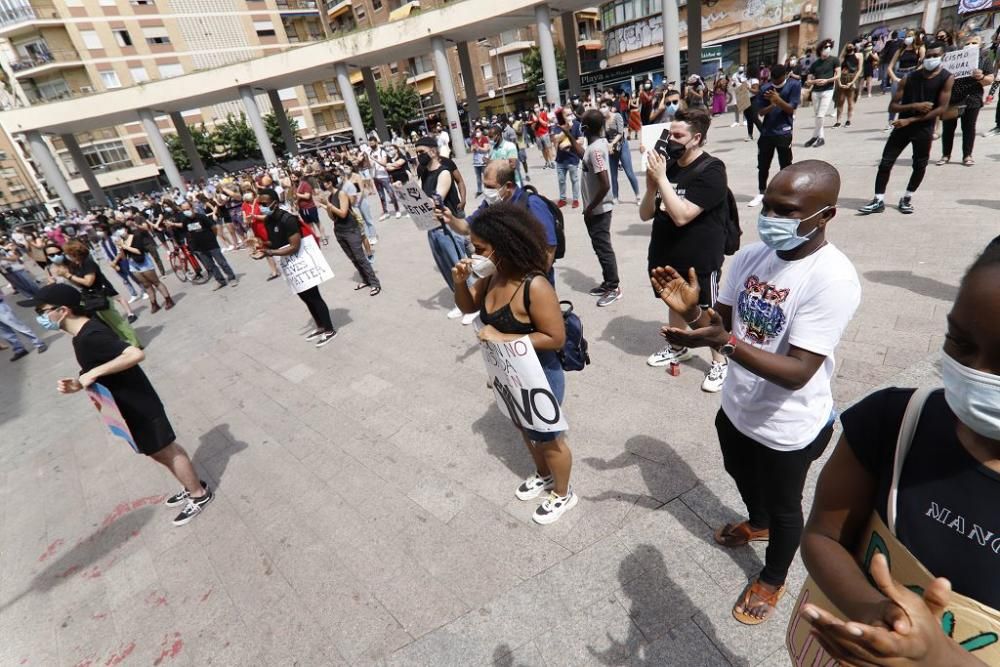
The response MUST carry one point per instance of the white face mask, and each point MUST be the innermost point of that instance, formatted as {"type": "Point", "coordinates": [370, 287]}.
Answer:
{"type": "Point", "coordinates": [908, 41]}
{"type": "Point", "coordinates": [825, 52]}
{"type": "Point", "coordinates": [974, 397]}
{"type": "Point", "coordinates": [931, 64]}
{"type": "Point", "coordinates": [491, 195]}
{"type": "Point", "coordinates": [483, 267]}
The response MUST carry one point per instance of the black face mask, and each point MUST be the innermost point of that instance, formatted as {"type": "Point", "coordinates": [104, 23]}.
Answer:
{"type": "Point", "coordinates": [424, 159]}
{"type": "Point", "coordinates": [675, 149]}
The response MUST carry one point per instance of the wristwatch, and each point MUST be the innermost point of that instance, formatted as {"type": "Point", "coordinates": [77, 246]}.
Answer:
{"type": "Point", "coordinates": [729, 347]}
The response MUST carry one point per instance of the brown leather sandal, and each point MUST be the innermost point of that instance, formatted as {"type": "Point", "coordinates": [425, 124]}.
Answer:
{"type": "Point", "coordinates": [756, 590]}
{"type": "Point", "coordinates": [740, 534]}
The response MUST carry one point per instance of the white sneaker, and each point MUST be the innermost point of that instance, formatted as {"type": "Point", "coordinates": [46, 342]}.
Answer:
{"type": "Point", "coordinates": [755, 201]}
{"type": "Point", "coordinates": [454, 313]}
{"type": "Point", "coordinates": [614, 201]}
{"type": "Point", "coordinates": [145, 295]}
{"type": "Point", "coordinates": [736, 124]}
{"type": "Point", "coordinates": [384, 216]}
{"type": "Point", "coordinates": [534, 486]}
{"type": "Point", "coordinates": [398, 215]}
{"type": "Point", "coordinates": [469, 318]}
{"type": "Point", "coordinates": [134, 299]}
{"type": "Point", "coordinates": [715, 377]}
{"type": "Point", "coordinates": [667, 355]}
{"type": "Point", "coordinates": [373, 241]}
{"type": "Point", "coordinates": [554, 507]}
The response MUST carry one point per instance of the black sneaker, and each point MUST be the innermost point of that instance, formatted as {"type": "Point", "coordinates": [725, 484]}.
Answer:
{"type": "Point", "coordinates": [810, 142]}
{"type": "Point", "coordinates": [874, 206]}
{"type": "Point", "coordinates": [179, 497]}
{"type": "Point", "coordinates": [314, 335]}
{"type": "Point", "coordinates": [20, 354]}
{"type": "Point", "coordinates": [600, 290]}
{"type": "Point", "coordinates": [905, 206]}
{"type": "Point", "coordinates": [325, 338]}
{"type": "Point", "coordinates": [132, 318]}
{"type": "Point", "coordinates": [847, 124]}
{"type": "Point", "coordinates": [194, 507]}
{"type": "Point", "coordinates": [819, 142]}
{"type": "Point", "coordinates": [837, 124]}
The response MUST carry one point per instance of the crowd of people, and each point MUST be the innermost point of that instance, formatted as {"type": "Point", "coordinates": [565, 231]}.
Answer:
{"type": "Point", "coordinates": [771, 321]}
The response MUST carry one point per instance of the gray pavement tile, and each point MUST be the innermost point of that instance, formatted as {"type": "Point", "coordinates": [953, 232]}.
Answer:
{"type": "Point", "coordinates": [684, 645]}
{"type": "Point", "coordinates": [592, 573]}
{"type": "Point", "coordinates": [418, 602]}
{"type": "Point", "coordinates": [600, 633]}
{"type": "Point", "coordinates": [524, 656]}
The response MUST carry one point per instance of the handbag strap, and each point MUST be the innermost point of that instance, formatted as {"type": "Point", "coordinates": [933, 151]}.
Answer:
{"type": "Point", "coordinates": [907, 430]}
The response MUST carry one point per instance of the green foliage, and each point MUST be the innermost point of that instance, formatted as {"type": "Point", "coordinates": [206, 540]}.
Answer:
{"type": "Point", "coordinates": [274, 132]}
{"type": "Point", "coordinates": [531, 66]}
{"type": "Point", "coordinates": [400, 104]}
{"type": "Point", "coordinates": [236, 139]}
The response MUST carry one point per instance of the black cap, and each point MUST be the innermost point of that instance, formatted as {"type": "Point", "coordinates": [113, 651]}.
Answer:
{"type": "Point", "coordinates": [54, 295]}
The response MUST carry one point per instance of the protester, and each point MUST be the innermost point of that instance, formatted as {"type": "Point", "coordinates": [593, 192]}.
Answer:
{"type": "Point", "coordinates": [619, 155]}
{"type": "Point", "coordinates": [598, 205]}
{"type": "Point", "coordinates": [118, 262]}
{"type": "Point", "coordinates": [968, 92]}
{"type": "Point", "coordinates": [847, 82]}
{"type": "Point", "coordinates": [11, 325]}
{"type": "Point", "coordinates": [905, 60]}
{"type": "Point", "coordinates": [776, 105]}
{"type": "Point", "coordinates": [502, 149]}
{"type": "Point", "coordinates": [565, 137]}
{"type": "Point", "coordinates": [480, 154]}
{"type": "Point", "coordinates": [204, 242]}
{"type": "Point", "coordinates": [540, 122]}
{"type": "Point", "coordinates": [348, 234]}
{"type": "Point", "coordinates": [383, 186]}
{"type": "Point", "coordinates": [824, 74]}
{"type": "Point", "coordinates": [142, 266]}
{"type": "Point", "coordinates": [254, 221]}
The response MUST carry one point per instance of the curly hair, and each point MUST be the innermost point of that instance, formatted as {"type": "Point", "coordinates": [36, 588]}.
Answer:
{"type": "Point", "coordinates": [516, 236]}
{"type": "Point", "coordinates": [76, 250]}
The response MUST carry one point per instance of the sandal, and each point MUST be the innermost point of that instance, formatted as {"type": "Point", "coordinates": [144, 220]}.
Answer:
{"type": "Point", "coordinates": [943, 160]}
{"type": "Point", "coordinates": [361, 286]}
{"type": "Point", "coordinates": [375, 291]}
{"type": "Point", "coordinates": [740, 534]}
{"type": "Point", "coordinates": [968, 162]}
{"type": "Point", "coordinates": [326, 241]}
{"type": "Point", "coordinates": [276, 275]}
{"type": "Point", "coordinates": [742, 608]}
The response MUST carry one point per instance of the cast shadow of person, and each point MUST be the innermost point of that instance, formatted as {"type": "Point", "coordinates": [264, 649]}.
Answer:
{"type": "Point", "coordinates": [504, 441]}
{"type": "Point", "coordinates": [656, 605]}
{"type": "Point", "coordinates": [215, 449]}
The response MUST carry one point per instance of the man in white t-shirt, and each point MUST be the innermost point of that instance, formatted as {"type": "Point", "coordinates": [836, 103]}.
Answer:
{"type": "Point", "coordinates": [443, 140]}
{"type": "Point", "coordinates": [783, 307]}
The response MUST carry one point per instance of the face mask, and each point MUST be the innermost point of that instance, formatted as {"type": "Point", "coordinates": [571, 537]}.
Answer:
{"type": "Point", "coordinates": [782, 233]}
{"type": "Point", "coordinates": [483, 267]}
{"type": "Point", "coordinates": [248, 197]}
{"type": "Point", "coordinates": [101, 235]}
{"type": "Point", "coordinates": [478, 134]}
{"type": "Point", "coordinates": [491, 195]}
{"type": "Point", "coordinates": [740, 70]}
{"type": "Point", "coordinates": [188, 214]}
{"type": "Point", "coordinates": [57, 259]}
{"type": "Point", "coordinates": [908, 41]}
{"type": "Point", "coordinates": [675, 149]}
{"type": "Point", "coordinates": [931, 64]}
{"type": "Point", "coordinates": [792, 62]}
{"type": "Point", "coordinates": [825, 52]}
{"type": "Point", "coordinates": [673, 106]}
{"type": "Point", "coordinates": [649, 86]}
{"type": "Point", "coordinates": [424, 159]}
{"type": "Point", "coordinates": [974, 397]}
{"type": "Point", "coordinates": [265, 210]}
{"type": "Point", "coordinates": [44, 322]}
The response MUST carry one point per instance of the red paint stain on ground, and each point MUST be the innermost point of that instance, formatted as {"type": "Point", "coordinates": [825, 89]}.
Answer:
{"type": "Point", "coordinates": [87, 662]}
{"type": "Point", "coordinates": [93, 573]}
{"type": "Point", "coordinates": [100, 617]}
{"type": "Point", "coordinates": [24, 661]}
{"type": "Point", "coordinates": [119, 656]}
{"type": "Point", "coordinates": [207, 593]}
{"type": "Point", "coordinates": [156, 600]}
{"type": "Point", "coordinates": [69, 571]}
{"type": "Point", "coordinates": [124, 508]}
{"type": "Point", "coordinates": [170, 650]}
{"type": "Point", "coordinates": [50, 550]}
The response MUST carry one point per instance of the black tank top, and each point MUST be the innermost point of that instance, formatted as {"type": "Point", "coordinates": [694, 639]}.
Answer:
{"type": "Point", "coordinates": [918, 88]}
{"type": "Point", "coordinates": [907, 59]}
{"type": "Point", "coordinates": [503, 319]}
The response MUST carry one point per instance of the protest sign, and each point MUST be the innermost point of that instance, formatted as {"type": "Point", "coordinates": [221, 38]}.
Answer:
{"type": "Point", "coordinates": [973, 625]}
{"type": "Point", "coordinates": [521, 390]}
{"type": "Point", "coordinates": [418, 205]}
{"type": "Point", "coordinates": [648, 136]}
{"type": "Point", "coordinates": [961, 63]}
{"type": "Point", "coordinates": [111, 416]}
{"type": "Point", "coordinates": [306, 268]}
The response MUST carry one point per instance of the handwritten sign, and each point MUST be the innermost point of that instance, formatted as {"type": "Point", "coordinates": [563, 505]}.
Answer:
{"type": "Point", "coordinates": [306, 268]}
{"type": "Point", "coordinates": [418, 205]}
{"type": "Point", "coordinates": [521, 390]}
{"type": "Point", "coordinates": [111, 416]}
{"type": "Point", "coordinates": [961, 63]}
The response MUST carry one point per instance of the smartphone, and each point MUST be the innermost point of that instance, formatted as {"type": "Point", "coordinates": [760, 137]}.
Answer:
{"type": "Point", "coordinates": [661, 144]}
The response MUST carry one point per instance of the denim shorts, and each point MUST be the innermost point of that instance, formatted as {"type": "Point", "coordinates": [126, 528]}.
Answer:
{"type": "Point", "coordinates": [554, 373]}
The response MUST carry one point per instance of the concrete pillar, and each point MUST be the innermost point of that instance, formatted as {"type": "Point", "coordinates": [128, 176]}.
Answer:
{"type": "Point", "coordinates": [547, 49]}
{"type": "Point", "coordinates": [782, 45]}
{"type": "Point", "coordinates": [850, 22]}
{"type": "Point", "coordinates": [376, 105]}
{"type": "Point", "coordinates": [568, 20]}
{"type": "Point", "coordinates": [160, 149]}
{"type": "Point", "coordinates": [291, 146]}
{"type": "Point", "coordinates": [85, 171]}
{"type": "Point", "coordinates": [187, 141]}
{"type": "Point", "coordinates": [829, 21]}
{"type": "Point", "coordinates": [694, 36]}
{"type": "Point", "coordinates": [932, 14]}
{"type": "Point", "coordinates": [53, 175]}
{"type": "Point", "coordinates": [447, 91]}
{"type": "Point", "coordinates": [257, 124]}
{"type": "Point", "coordinates": [469, 78]}
{"type": "Point", "coordinates": [671, 43]}
{"type": "Point", "coordinates": [347, 92]}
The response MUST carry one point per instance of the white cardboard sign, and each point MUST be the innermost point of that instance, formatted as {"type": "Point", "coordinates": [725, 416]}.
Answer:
{"type": "Point", "coordinates": [521, 390]}
{"type": "Point", "coordinates": [961, 63]}
{"type": "Point", "coordinates": [306, 268]}
{"type": "Point", "coordinates": [418, 205]}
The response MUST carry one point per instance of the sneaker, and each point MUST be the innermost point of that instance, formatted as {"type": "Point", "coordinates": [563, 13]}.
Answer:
{"type": "Point", "coordinates": [755, 201]}
{"type": "Point", "coordinates": [614, 201]}
{"type": "Point", "coordinates": [132, 318]}
{"type": "Point", "coordinates": [819, 142]}
{"type": "Point", "coordinates": [41, 348]}
{"type": "Point", "coordinates": [398, 215]}
{"type": "Point", "coordinates": [469, 318]}
{"type": "Point", "coordinates": [874, 206]}
{"type": "Point", "coordinates": [218, 287]}
{"type": "Point", "coordinates": [194, 507]}
{"type": "Point", "coordinates": [736, 124]}
{"type": "Point", "coordinates": [534, 486]}
{"type": "Point", "coordinates": [20, 354]}
{"type": "Point", "coordinates": [610, 297]}
{"type": "Point", "coordinates": [992, 133]}
{"type": "Point", "coordinates": [837, 124]}
{"type": "Point", "coordinates": [561, 203]}
{"type": "Point", "coordinates": [182, 495]}
{"type": "Point", "coordinates": [373, 241]}
{"type": "Point", "coordinates": [145, 295]}
{"type": "Point", "coordinates": [455, 313]}
{"type": "Point", "coordinates": [811, 141]}
{"type": "Point", "coordinates": [715, 377]}
{"type": "Point", "coordinates": [667, 355]}
{"type": "Point", "coordinates": [847, 124]}
{"type": "Point", "coordinates": [325, 338]}
{"type": "Point", "coordinates": [234, 283]}
{"type": "Point", "coordinates": [905, 206]}
{"type": "Point", "coordinates": [384, 216]}
{"type": "Point", "coordinates": [554, 507]}
{"type": "Point", "coordinates": [600, 290]}
{"type": "Point", "coordinates": [134, 299]}
{"type": "Point", "coordinates": [576, 203]}
{"type": "Point", "coordinates": [315, 334]}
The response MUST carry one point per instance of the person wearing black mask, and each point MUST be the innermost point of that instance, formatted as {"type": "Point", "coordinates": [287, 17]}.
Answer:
{"type": "Point", "coordinates": [347, 230]}
{"type": "Point", "coordinates": [823, 75]}
{"type": "Point", "coordinates": [776, 105]}
{"type": "Point", "coordinates": [203, 241]}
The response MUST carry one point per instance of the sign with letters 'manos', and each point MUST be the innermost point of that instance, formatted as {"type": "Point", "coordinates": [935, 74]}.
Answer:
{"type": "Point", "coordinates": [521, 390]}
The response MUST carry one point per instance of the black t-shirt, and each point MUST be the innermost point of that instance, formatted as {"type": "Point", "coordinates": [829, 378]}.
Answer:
{"type": "Point", "coordinates": [701, 242]}
{"type": "Point", "coordinates": [200, 231]}
{"type": "Point", "coordinates": [100, 285]}
{"type": "Point", "coordinates": [919, 88]}
{"type": "Point", "coordinates": [281, 226]}
{"type": "Point", "coordinates": [947, 500]}
{"type": "Point", "coordinates": [824, 69]}
{"type": "Point", "coordinates": [402, 175]}
{"type": "Point", "coordinates": [428, 182]}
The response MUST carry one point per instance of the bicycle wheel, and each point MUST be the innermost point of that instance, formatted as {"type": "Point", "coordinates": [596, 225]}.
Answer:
{"type": "Point", "coordinates": [199, 275]}
{"type": "Point", "coordinates": [178, 264]}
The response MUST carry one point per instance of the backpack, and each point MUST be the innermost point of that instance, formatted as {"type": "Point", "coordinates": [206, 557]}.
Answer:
{"type": "Point", "coordinates": [556, 215]}
{"type": "Point", "coordinates": [574, 355]}
{"type": "Point", "coordinates": [732, 223]}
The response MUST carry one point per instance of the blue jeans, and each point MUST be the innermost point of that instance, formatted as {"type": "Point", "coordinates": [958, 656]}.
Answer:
{"type": "Point", "coordinates": [623, 160]}
{"type": "Point", "coordinates": [10, 323]}
{"type": "Point", "coordinates": [480, 168]}
{"type": "Point", "coordinates": [447, 247]}
{"type": "Point", "coordinates": [574, 177]}
{"type": "Point", "coordinates": [554, 373]}
{"type": "Point", "coordinates": [366, 215]}
{"type": "Point", "coordinates": [22, 281]}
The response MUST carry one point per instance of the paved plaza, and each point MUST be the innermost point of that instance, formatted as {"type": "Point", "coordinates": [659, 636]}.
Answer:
{"type": "Point", "coordinates": [365, 512]}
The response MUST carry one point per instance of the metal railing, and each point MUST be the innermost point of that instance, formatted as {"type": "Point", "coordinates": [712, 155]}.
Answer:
{"type": "Point", "coordinates": [297, 4]}
{"type": "Point", "coordinates": [24, 63]}
{"type": "Point", "coordinates": [26, 10]}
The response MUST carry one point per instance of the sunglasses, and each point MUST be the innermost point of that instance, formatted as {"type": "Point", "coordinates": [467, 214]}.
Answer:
{"type": "Point", "coordinates": [41, 310]}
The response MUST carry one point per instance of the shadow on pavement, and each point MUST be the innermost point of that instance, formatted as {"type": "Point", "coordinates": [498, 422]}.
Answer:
{"type": "Point", "coordinates": [636, 337]}
{"type": "Point", "coordinates": [445, 299]}
{"type": "Point", "coordinates": [504, 657]}
{"type": "Point", "coordinates": [578, 281]}
{"type": "Point", "coordinates": [636, 229]}
{"type": "Point", "coordinates": [340, 317]}
{"type": "Point", "coordinates": [214, 451]}
{"type": "Point", "coordinates": [504, 442]}
{"type": "Point", "coordinates": [921, 285]}
{"type": "Point", "coordinates": [147, 334]}
{"type": "Point", "coordinates": [985, 203]}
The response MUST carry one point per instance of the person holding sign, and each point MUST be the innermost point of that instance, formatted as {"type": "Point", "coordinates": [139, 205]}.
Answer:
{"type": "Point", "coordinates": [941, 506]}
{"type": "Point", "coordinates": [514, 300]}
{"type": "Point", "coordinates": [114, 363]}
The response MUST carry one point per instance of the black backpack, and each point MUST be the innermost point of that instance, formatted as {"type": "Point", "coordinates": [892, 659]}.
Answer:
{"type": "Point", "coordinates": [556, 215]}
{"type": "Point", "coordinates": [732, 223]}
{"type": "Point", "coordinates": [575, 353]}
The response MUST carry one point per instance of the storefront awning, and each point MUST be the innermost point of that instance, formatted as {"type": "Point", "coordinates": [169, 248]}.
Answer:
{"type": "Point", "coordinates": [424, 86]}
{"type": "Point", "coordinates": [404, 11]}
{"type": "Point", "coordinates": [356, 77]}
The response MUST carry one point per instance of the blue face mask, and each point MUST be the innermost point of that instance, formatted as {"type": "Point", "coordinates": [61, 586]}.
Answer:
{"type": "Point", "coordinates": [57, 259]}
{"type": "Point", "coordinates": [189, 214]}
{"type": "Point", "coordinates": [265, 210]}
{"type": "Point", "coordinates": [44, 322]}
{"type": "Point", "coordinates": [672, 107]}
{"type": "Point", "coordinates": [782, 233]}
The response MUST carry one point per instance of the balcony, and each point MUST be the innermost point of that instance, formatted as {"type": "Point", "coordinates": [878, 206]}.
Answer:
{"type": "Point", "coordinates": [404, 10]}
{"type": "Point", "coordinates": [18, 17]}
{"type": "Point", "coordinates": [336, 9]}
{"type": "Point", "coordinates": [43, 62]}
{"type": "Point", "coordinates": [512, 47]}
{"type": "Point", "coordinates": [298, 6]}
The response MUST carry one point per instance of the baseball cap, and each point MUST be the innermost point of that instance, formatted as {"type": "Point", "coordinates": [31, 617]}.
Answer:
{"type": "Point", "coordinates": [54, 295]}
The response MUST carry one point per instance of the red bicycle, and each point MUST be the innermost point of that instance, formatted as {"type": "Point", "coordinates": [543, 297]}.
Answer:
{"type": "Point", "coordinates": [186, 266]}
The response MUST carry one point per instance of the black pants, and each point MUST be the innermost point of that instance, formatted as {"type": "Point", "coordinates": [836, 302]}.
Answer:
{"type": "Point", "coordinates": [317, 308]}
{"type": "Point", "coordinates": [753, 120]}
{"type": "Point", "coordinates": [216, 263]}
{"type": "Point", "coordinates": [920, 137]}
{"type": "Point", "coordinates": [968, 118]}
{"type": "Point", "coordinates": [348, 235]}
{"type": "Point", "coordinates": [766, 146]}
{"type": "Point", "coordinates": [770, 483]}
{"type": "Point", "coordinates": [599, 228]}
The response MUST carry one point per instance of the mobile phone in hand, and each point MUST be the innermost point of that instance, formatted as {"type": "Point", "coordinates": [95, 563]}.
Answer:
{"type": "Point", "coordinates": [662, 143]}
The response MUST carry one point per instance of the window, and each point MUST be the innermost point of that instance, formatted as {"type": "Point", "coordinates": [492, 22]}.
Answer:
{"type": "Point", "coordinates": [122, 37]}
{"type": "Point", "coordinates": [8, 172]}
{"type": "Point", "coordinates": [138, 74]}
{"type": "Point", "coordinates": [110, 79]}
{"type": "Point", "coordinates": [487, 70]}
{"type": "Point", "coordinates": [101, 157]}
{"type": "Point", "coordinates": [512, 66]}
{"type": "Point", "coordinates": [376, 5]}
{"type": "Point", "coordinates": [91, 39]}
{"type": "Point", "coordinates": [170, 70]}
{"type": "Point", "coordinates": [377, 74]}
{"type": "Point", "coordinates": [264, 28]}
{"type": "Point", "coordinates": [53, 90]}
{"type": "Point", "coordinates": [393, 68]}
{"type": "Point", "coordinates": [3, 155]}
{"type": "Point", "coordinates": [360, 12]}
{"type": "Point", "coordinates": [144, 151]}
{"type": "Point", "coordinates": [142, 3]}
{"type": "Point", "coordinates": [108, 3]}
{"type": "Point", "coordinates": [510, 36]}
{"type": "Point", "coordinates": [157, 35]}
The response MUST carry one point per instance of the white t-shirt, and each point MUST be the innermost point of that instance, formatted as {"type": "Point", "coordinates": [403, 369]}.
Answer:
{"type": "Point", "coordinates": [444, 143]}
{"type": "Point", "coordinates": [380, 172]}
{"type": "Point", "coordinates": [777, 304]}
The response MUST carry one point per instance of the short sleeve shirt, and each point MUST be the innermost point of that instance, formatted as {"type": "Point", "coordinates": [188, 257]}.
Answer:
{"type": "Point", "coordinates": [824, 69]}
{"type": "Point", "coordinates": [777, 123]}
{"type": "Point", "coordinates": [201, 232]}
{"type": "Point", "coordinates": [305, 189]}
{"type": "Point", "coordinates": [595, 162]}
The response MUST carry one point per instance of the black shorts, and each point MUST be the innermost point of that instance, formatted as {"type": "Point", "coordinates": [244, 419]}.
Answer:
{"type": "Point", "coordinates": [309, 215]}
{"type": "Point", "coordinates": [709, 284]}
{"type": "Point", "coordinates": [151, 433]}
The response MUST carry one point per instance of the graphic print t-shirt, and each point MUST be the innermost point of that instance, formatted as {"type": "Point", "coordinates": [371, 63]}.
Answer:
{"type": "Point", "coordinates": [777, 304]}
